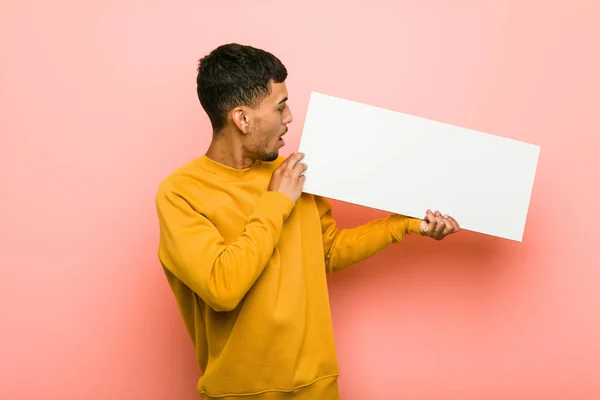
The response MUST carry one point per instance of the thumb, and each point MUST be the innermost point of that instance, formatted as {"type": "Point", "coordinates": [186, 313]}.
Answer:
{"type": "Point", "coordinates": [423, 226]}
{"type": "Point", "coordinates": [426, 221]}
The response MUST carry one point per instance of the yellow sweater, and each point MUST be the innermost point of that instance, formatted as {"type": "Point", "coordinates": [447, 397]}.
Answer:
{"type": "Point", "coordinates": [248, 270]}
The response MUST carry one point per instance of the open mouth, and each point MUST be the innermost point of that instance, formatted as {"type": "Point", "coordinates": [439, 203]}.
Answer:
{"type": "Point", "coordinates": [281, 141]}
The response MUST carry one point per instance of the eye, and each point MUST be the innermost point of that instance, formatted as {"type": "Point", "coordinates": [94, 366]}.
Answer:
{"type": "Point", "coordinates": [282, 107]}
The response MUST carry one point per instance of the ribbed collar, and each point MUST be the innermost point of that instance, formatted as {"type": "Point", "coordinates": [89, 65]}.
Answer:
{"type": "Point", "coordinates": [245, 174]}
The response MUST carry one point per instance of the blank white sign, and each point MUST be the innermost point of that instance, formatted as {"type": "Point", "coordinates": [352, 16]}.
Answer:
{"type": "Point", "coordinates": [405, 164]}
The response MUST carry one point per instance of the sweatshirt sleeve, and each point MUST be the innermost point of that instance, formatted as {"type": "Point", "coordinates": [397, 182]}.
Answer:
{"type": "Point", "coordinates": [344, 247]}
{"type": "Point", "coordinates": [193, 250]}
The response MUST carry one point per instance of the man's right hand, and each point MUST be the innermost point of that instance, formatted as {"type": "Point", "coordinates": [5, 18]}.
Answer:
{"type": "Point", "coordinates": [286, 178]}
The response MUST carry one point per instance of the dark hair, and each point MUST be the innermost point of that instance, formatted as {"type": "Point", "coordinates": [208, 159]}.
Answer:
{"type": "Point", "coordinates": [233, 75]}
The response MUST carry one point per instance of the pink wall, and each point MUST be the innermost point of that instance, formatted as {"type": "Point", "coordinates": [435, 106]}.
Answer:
{"type": "Point", "coordinates": [97, 105]}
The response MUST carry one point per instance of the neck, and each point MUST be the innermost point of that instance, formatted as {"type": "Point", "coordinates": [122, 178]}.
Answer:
{"type": "Point", "coordinates": [225, 148]}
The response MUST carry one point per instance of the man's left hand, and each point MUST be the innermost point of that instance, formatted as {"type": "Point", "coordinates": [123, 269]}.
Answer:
{"type": "Point", "coordinates": [438, 226]}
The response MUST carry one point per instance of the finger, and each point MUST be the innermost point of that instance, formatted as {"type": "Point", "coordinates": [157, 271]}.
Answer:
{"type": "Point", "coordinates": [449, 229]}
{"type": "Point", "coordinates": [299, 168]}
{"type": "Point", "coordinates": [440, 227]}
{"type": "Point", "coordinates": [438, 214]}
{"type": "Point", "coordinates": [291, 161]}
{"type": "Point", "coordinates": [282, 166]}
{"type": "Point", "coordinates": [450, 226]}
{"type": "Point", "coordinates": [424, 226]}
{"type": "Point", "coordinates": [297, 157]}
{"type": "Point", "coordinates": [453, 222]}
{"type": "Point", "coordinates": [296, 160]}
{"type": "Point", "coordinates": [290, 158]}
{"type": "Point", "coordinates": [432, 223]}
{"type": "Point", "coordinates": [456, 223]}
{"type": "Point", "coordinates": [455, 226]}
{"type": "Point", "coordinates": [428, 215]}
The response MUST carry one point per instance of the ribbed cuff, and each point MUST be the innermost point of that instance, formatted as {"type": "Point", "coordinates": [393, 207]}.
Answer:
{"type": "Point", "coordinates": [401, 225]}
{"type": "Point", "coordinates": [414, 225]}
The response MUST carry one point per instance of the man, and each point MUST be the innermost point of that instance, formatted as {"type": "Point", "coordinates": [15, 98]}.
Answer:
{"type": "Point", "coordinates": [246, 252]}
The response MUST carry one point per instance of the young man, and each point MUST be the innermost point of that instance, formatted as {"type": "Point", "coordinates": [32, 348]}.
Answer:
{"type": "Point", "coordinates": [246, 252]}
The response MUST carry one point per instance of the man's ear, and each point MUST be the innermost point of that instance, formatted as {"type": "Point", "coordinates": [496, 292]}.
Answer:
{"type": "Point", "coordinates": [241, 119]}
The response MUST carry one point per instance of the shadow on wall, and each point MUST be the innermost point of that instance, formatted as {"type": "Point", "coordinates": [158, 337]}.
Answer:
{"type": "Point", "coordinates": [158, 317]}
{"type": "Point", "coordinates": [465, 256]}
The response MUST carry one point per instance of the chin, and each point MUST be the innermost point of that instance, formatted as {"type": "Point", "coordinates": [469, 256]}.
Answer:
{"type": "Point", "coordinates": [268, 157]}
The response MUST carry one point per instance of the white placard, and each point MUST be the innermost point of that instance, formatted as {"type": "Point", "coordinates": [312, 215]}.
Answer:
{"type": "Point", "coordinates": [405, 164]}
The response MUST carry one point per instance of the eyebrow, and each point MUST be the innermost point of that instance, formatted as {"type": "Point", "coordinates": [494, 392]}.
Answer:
{"type": "Point", "coordinates": [283, 100]}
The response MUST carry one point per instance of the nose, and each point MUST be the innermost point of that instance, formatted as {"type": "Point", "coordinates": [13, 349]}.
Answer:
{"type": "Point", "coordinates": [288, 116]}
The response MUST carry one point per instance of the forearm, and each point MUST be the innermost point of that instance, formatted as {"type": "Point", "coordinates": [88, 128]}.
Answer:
{"type": "Point", "coordinates": [350, 246]}
{"type": "Point", "coordinates": [221, 274]}
{"type": "Point", "coordinates": [239, 264]}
